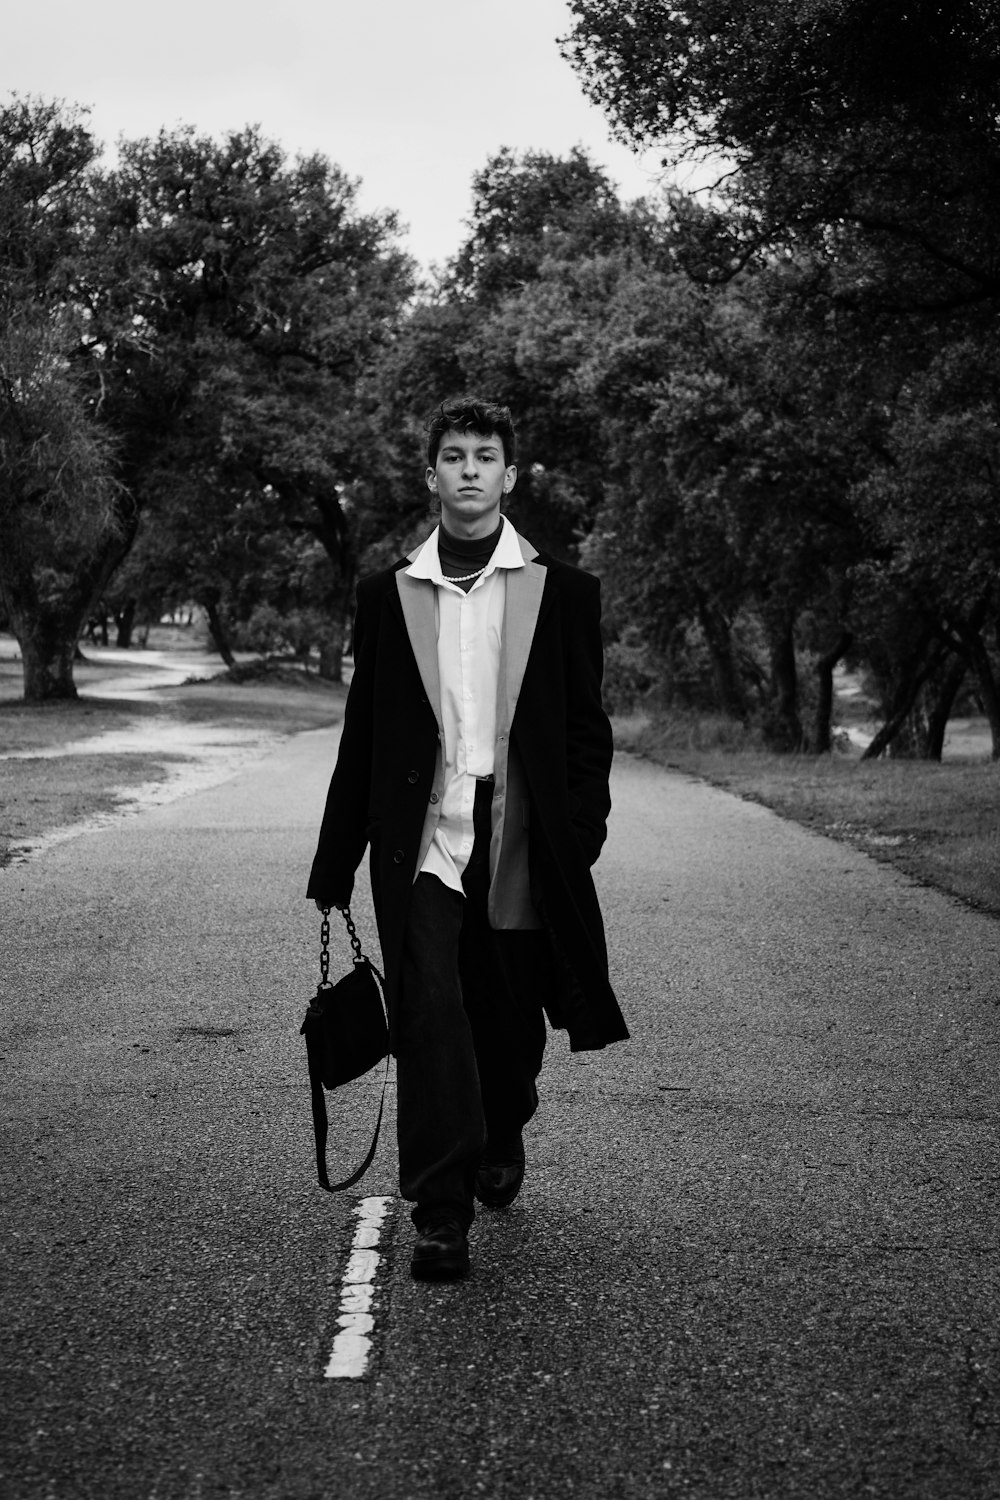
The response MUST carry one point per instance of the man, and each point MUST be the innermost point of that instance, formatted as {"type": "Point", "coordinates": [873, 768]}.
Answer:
{"type": "Point", "coordinates": [474, 760]}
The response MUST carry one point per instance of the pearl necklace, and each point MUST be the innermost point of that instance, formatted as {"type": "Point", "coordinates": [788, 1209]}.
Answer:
{"type": "Point", "coordinates": [465, 578]}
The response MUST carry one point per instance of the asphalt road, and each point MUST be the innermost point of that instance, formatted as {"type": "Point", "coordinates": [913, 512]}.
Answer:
{"type": "Point", "coordinates": [755, 1255]}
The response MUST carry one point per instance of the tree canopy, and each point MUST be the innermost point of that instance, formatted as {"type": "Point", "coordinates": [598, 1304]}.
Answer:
{"type": "Point", "coordinates": [219, 309]}
{"type": "Point", "coordinates": [830, 120]}
{"type": "Point", "coordinates": [765, 414]}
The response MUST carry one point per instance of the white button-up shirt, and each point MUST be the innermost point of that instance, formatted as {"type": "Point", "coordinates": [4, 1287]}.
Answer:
{"type": "Point", "coordinates": [469, 631]}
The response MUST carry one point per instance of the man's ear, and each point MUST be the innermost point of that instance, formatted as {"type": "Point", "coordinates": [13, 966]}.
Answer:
{"type": "Point", "coordinates": [431, 478]}
{"type": "Point", "coordinates": [510, 478]}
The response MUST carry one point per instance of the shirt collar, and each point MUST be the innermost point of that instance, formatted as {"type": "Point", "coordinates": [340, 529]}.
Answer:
{"type": "Point", "coordinates": [506, 554]}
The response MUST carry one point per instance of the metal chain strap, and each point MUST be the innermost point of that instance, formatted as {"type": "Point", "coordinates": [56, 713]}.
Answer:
{"type": "Point", "coordinates": [324, 942]}
{"type": "Point", "coordinates": [324, 949]}
{"type": "Point", "coordinates": [352, 933]}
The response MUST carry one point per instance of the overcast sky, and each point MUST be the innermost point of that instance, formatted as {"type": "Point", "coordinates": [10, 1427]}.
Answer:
{"type": "Point", "coordinates": [410, 97]}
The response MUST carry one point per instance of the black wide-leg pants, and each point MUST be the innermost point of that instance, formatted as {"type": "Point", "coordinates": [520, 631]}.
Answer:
{"type": "Point", "coordinates": [470, 1034]}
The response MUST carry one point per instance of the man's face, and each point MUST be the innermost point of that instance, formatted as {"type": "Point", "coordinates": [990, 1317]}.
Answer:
{"type": "Point", "coordinates": [470, 478]}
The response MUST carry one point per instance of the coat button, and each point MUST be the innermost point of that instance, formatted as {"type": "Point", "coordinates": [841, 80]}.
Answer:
{"type": "Point", "coordinates": [398, 857]}
{"type": "Point", "coordinates": [413, 777]}
{"type": "Point", "coordinates": [434, 796]}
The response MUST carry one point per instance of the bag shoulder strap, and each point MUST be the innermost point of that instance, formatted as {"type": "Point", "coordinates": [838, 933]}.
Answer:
{"type": "Point", "coordinates": [321, 1126]}
{"type": "Point", "coordinates": [321, 1122]}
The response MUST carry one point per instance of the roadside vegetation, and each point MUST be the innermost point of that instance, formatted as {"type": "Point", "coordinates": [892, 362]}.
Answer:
{"type": "Point", "coordinates": [938, 822]}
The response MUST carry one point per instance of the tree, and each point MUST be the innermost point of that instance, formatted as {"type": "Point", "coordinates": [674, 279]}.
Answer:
{"type": "Point", "coordinates": [846, 124]}
{"type": "Point", "coordinates": [59, 517]}
{"type": "Point", "coordinates": [263, 299]}
{"type": "Point", "coordinates": [65, 519]}
{"type": "Point", "coordinates": [529, 208]}
{"type": "Point", "coordinates": [858, 150]}
{"type": "Point", "coordinates": [497, 323]}
{"type": "Point", "coordinates": [219, 309]}
{"type": "Point", "coordinates": [729, 463]}
{"type": "Point", "coordinates": [932, 507]}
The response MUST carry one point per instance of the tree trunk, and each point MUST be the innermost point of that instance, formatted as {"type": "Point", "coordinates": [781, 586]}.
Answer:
{"type": "Point", "coordinates": [782, 725]}
{"type": "Point", "coordinates": [47, 656]}
{"type": "Point", "coordinates": [822, 738]}
{"type": "Point", "coordinates": [940, 710]}
{"type": "Point", "coordinates": [988, 688]}
{"type": "Point", "coordinates": [331, 660]}
{"type": "Point", "coordinates": [335, 535]}
{"type": "Point", "coordinates": [725, 677]}
{"type": "Point", "coordinates": [124, 621]}
{"type": "Point", "coordinates": [912, 736]}
{"type": "Point", "coordinates": [333, 649]}
{"type": "Point", "coordinates": [903, 700]}
{"type": "Point", "coordinates": [49, 626]}
{"type": "Point", "coordinates": [218, 633]}
{"type": "Point", "coordinates": [47, 636]}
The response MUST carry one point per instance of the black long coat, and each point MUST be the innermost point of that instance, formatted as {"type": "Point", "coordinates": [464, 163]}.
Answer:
{"type": "Point", "coordinates": [386, 765]}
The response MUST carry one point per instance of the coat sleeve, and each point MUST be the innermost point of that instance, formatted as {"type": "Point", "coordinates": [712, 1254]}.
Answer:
{"type": "Point", "coordinates": [589, 743]}
{"type": "Point", "coordinates": [343, 832]}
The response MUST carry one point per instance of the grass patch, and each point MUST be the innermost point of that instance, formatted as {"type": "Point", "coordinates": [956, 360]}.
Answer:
{"type": "Point", "coordinates": [37, 796]}
{"type": "Point", "coordinates": [289, 704]}
{"type": "Point", "coordinates": [281, 707]}
{"type": "Point", "coordinates": [940, 823]}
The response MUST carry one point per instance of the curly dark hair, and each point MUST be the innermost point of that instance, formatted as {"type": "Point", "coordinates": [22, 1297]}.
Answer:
{"type": "Point", "coordinates": [469, 414]}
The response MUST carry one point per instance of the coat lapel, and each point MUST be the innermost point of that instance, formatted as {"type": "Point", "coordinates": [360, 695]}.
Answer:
{"type": "Point", "coordinates": [524, 599]}
{"type": "Point", "coordinates": [510, 894]}
{"type": "Point", "coordinates": [416, 596]}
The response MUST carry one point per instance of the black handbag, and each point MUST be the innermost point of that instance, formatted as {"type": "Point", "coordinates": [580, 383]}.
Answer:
{"type": "Point", "coordinates": [347, 1033]}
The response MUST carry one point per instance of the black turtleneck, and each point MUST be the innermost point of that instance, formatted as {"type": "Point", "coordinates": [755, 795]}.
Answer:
{"type": "Point", "coordinates": [460, 557]}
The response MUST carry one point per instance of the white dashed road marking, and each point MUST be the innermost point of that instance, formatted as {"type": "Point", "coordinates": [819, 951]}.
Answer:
{"type": "Point", "coordinates": [352, 1345]}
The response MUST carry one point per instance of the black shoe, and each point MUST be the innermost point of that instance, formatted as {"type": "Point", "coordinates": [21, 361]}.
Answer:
{"type": "Point", "coordinates": [500, 1173]}
{"type": "Point", "coordinates": [441, 1252]}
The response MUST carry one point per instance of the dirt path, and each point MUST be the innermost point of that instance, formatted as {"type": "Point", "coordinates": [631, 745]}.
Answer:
{"type": "Point", "coordinates": [148, 727]}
